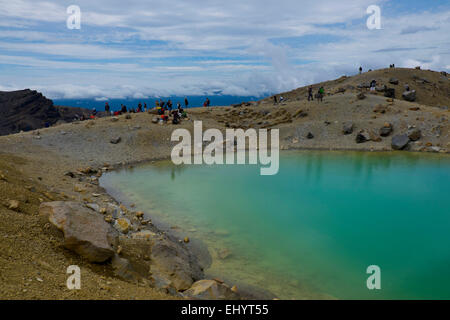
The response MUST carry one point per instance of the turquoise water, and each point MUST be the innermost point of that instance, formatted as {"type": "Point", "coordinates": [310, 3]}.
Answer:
{"type": "Point", "coordinates": [312, 230]}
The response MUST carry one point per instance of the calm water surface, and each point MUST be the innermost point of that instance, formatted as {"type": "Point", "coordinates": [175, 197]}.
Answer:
{"type": "Point", "coordinates": [312, 230]}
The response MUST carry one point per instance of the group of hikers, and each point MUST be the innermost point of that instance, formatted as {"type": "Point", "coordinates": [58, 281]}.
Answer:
{"type": "Point", "coordinates": [319, 95]}
{"type": "Point", "coordinates": [164, 109]}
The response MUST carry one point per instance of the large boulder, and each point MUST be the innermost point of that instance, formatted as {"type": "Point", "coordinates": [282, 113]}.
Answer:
{"type": "Point", "coordinates": [409, 95]}
{"type": "Point", "coordinates": [165, 263]}
{"type": "Point", "coordinates": [85, 231]}
{"type": "Point", "coordinates": [211, 290]}
{"type": "Point", "coordinates": [399, 142]}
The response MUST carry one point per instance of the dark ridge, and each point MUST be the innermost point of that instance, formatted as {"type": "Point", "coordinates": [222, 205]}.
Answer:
{"type": "Point", "coordinates": [26, 110]}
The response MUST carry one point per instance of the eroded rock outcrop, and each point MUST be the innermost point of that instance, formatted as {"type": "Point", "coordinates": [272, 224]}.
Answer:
{"type": "Point", "coordinates": [85, 231]}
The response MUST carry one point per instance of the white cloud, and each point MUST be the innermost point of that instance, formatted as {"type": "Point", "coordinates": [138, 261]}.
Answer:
{"type": "Point", "coordinates": [140, 48]}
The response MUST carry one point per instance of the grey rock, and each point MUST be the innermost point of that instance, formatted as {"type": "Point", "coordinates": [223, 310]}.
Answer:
{"type": "Point", "coordinates": [409, 95]}
{"type": "Point", "coordinates": [389, 93]}
{"type": "Point", "coordinates": [85, 232]}
{"type": "Point", "coordinates": [362, 137]}
{"type": "Point", "coordinates": [386, 130]}
{"type": "Point", "coordinates": [400, 142]}
{"type": "Point", "coordinates": [211, 290]}
{"type": "Point", "coordinates": [116, 140]}
{"type": "Point", "coordinates": [393, 81]}
{"type": "Point", "coordinates": [93, 206]}
{"type": "Point", "coordinates": [348, 128]}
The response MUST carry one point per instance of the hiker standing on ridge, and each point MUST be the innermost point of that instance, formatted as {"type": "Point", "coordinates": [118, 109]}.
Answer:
{"type": "Point", "coordinates": [107, 109]}
{"type": "Point", "coordinates": [360, 70]}
{"type": "Point", "coordinates": [320, 94]}
{"type": "Point", "coordinates": [186, 102]}
{"type": "Point", "coordinates": [310, 93]}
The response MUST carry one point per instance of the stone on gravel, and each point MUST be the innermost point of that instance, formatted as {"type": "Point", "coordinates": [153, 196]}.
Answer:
{"type": "Point", "coordinates": [348, 128]}
{"type": "Point", "coordinates": [93, 206]}
{"type": "Point", "coordinates": [13, 205]}
{"type": "Point", "coordinates": [362, 137]}
{"type": "Point", "coordinates": [211, 290]}
{"type": "Point", "coordinates": [414, 134]}
{"type": "Point", "coordinates": [116, 140]}
{"type": "Point", "coordinates": [389, 93]}
{"type": "Point", "coordinates": [85, 232]}
{"type": "Point", "coordinates": [374, 136]}
{"type": "Point", "coordinates": [399, 142]}
{"type": "Point", "coordinates": [393, 81]}
{"type": "Point", "coordinates": [409, 95]}
{"type": "Point", "coordinates": [123, 225]}
{"type": "Point", "coordinates": [386, 130]}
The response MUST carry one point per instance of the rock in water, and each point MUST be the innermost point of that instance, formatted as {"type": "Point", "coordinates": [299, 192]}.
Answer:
{"type": "Point", "coordinates": [85, 231]}
{"type": "Point", "coordinates": [409, 95]}
{"type": "Point", "coordinates": [348, 128]}
{"type": "Point", "coordinates": [400, 142]}
{"type": "Point", "coordinates": [414, 134]}
{"type": "Point", "coordinates": [211, 290]}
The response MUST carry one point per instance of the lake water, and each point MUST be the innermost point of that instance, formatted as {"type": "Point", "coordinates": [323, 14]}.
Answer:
{"type": "Point", "coordinates": [312, 230]}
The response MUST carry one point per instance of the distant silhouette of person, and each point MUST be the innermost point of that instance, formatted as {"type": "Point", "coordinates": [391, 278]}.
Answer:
{"type": "Point", "coordinates": [360, 70]}
{"type": "Point", "coordinates": [186, 102]}
{"type": "Point", "coordinates": [310, 94]}
{"type": "Point", "coordinates": [275, 100]}
{"type": "Point", "coordinates": [107, 109]}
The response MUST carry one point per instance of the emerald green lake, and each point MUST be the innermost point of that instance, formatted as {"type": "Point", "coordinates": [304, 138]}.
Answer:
{"type": "Point", "coordinates": [312, 230]}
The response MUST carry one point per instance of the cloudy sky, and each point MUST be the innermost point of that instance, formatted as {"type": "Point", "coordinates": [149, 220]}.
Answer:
{"type": "Point", "coordinates": [140, 48]}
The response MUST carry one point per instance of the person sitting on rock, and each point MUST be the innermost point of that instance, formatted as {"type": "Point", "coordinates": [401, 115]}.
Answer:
{"type": "Point", "coordinates": [123, 109]}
